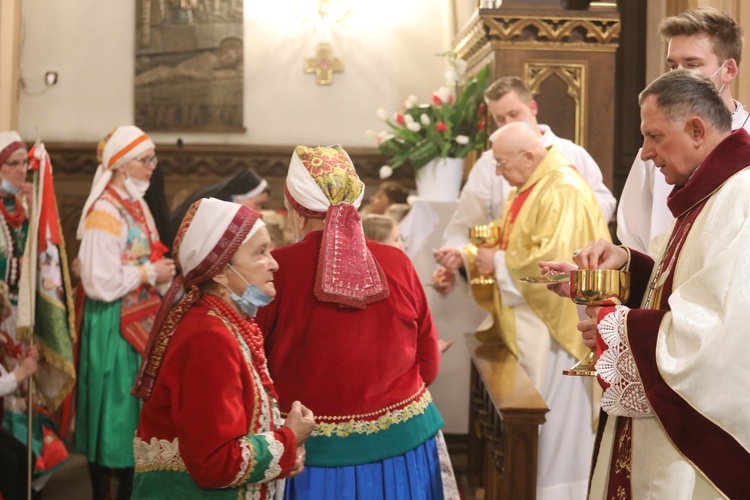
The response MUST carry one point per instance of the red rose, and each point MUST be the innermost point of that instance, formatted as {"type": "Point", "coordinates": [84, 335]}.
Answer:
{"type": "Point", "coordinates": [441, 127]}
{"type": "Point", "coordinates": [399, 118]}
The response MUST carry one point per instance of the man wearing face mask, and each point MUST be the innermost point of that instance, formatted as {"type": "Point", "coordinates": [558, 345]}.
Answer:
{"type": "Point", "coordinates": [122, 265]}
{"type": "Point", "coordinates": [706, 40]}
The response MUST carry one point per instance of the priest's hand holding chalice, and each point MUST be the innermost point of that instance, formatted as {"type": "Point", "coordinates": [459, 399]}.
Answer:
{"type": "Point", "coordinates": [597, 279]}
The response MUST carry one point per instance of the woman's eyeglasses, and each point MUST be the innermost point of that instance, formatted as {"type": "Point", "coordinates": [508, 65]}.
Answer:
{"type": "Point", "coordinates": [151, 160]}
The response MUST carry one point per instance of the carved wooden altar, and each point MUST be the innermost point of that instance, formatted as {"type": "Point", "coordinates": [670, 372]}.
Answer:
{"type": "Point", "coordinates": [567, 58]}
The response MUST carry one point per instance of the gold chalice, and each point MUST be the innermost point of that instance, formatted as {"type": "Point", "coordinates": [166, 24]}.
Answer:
{"type": "Point", "coordinates": [484, 236]}
{"type": "Point", "coordinates": [596, 287]}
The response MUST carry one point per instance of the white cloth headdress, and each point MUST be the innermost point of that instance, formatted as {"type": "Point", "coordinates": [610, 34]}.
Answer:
{"type": "Point", "coordinates": [119, 147]}
{"type": "Point", "coordinates": [10, 142]}
{"type": "Point", "coordinates": [207, 228]}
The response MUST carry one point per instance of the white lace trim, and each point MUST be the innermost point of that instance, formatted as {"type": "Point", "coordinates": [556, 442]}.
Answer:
{"type": "Point", "coordinates": [625, 395]}
{"type": "Point", "coordinates": [157, 454]}
{"type": "Point", "coordinates": [276, 449]}
{"type": "Point", "coordinates": [248, 462]}
{"type": "Point", "coordinates": [450, 488]}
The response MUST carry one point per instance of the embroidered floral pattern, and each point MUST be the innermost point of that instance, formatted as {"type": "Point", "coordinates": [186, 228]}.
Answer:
{"type": "Point", "coordinates": [382, 423]}
{"type": "Point", "coordinates": [158, 455]}
{"type": "Point", "coordinates": [625, 395]}
{"type": "Point", "coordinates": [332, 171]}
{"type": "Point", "coordinates": [103, 221]}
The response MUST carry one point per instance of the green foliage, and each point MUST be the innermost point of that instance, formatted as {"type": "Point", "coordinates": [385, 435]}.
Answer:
{"type": "Point", "coordinates": [447, 127]}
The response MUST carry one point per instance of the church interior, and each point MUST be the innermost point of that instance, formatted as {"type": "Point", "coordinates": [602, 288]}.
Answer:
{"type": "Point", "coordinates": [68, 76]}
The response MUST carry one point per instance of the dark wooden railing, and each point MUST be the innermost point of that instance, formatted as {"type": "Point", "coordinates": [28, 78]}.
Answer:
{"type": "Point", "coordinates": [505, 412]}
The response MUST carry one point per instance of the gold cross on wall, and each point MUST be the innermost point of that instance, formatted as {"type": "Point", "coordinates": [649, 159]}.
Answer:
{"type": "Point", "coordinates": [324, 65]}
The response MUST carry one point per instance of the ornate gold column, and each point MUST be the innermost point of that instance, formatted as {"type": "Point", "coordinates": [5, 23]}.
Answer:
{"type": "Point", "coordinates": [10, 62]}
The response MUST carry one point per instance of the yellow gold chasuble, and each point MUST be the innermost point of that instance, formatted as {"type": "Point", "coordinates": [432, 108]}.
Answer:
{"type": "Point", "coordinates": [559, 215]}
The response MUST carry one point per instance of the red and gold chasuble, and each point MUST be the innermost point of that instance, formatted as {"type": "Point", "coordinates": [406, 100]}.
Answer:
{"type": "Point", "coordinates": [554, 213]}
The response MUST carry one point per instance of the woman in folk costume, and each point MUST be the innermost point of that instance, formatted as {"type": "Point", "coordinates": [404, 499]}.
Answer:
{"type": "Point", "coordinates": [210, 417]}
{"type": "Point", "coordinates": [351, 335]}
{"type": "Point", "coordinates": [48, 450]}
{"type": "Point", "coordinates": [14, 228]}
{"type": "Point", "coordinates": [121, 268]}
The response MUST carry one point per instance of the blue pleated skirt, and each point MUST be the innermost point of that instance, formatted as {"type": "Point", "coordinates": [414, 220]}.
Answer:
{"type": "Point", "coordinates": [415, 475]}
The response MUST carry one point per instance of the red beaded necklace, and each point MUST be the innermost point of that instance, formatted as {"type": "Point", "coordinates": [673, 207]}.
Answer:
{"type": "Point", "coordinates": [251, 334]}
{"type": "Point", "coordinates": [16, 218]}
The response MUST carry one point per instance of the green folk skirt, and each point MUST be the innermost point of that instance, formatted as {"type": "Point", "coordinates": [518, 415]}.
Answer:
{"type": "Point", "coordinates": [106, 412]}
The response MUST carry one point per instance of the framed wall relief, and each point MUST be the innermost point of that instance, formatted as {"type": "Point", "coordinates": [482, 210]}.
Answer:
{"type": "Point", "coordinates": [188, 65]}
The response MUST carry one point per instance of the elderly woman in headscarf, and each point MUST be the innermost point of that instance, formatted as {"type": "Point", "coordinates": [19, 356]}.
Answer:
{"type": "Point", "coordinates": [351, 335]}
{"type": "Point", "coordinates": [122, 265]}
{"type": "Point", "coordinates": [210, 417]}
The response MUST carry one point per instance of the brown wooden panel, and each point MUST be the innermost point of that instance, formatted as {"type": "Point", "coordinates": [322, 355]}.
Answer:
{"type": "Point", "coordinates": [516, 37]}
{"type": "Point", "coordinates": [504, 417]}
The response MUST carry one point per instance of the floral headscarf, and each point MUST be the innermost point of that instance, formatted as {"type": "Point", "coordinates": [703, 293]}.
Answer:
{"type": "Point", "coordinates": [323, 184]}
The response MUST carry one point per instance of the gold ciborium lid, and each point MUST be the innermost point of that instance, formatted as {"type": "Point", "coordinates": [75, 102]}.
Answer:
{"type": "Point", "coordinates": [596, 286]}
{"type": "Point", "coordinates": [485, 235]}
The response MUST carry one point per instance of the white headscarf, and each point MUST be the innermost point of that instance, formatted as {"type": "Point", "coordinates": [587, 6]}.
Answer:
{"type": "Point", "coordinates": [10, 142]}
{"type": "Point", "coordinates": [207, 227]}
{"type": "Point", "coordinates": [119, 147]}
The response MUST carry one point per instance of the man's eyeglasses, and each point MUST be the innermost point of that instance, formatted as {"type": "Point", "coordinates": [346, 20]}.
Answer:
{"type": "Point", "coordinates": [17, 163]}
{"type": "Point", "coordinates": [152, 160]}
{"type": "Point", "coordinates": [501, 163]}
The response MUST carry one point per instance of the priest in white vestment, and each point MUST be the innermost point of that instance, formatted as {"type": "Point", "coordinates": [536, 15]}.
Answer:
{"type": "Point", "coordinates": [675, 369]}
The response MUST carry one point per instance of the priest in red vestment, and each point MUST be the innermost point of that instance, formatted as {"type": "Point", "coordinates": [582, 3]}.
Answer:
{"type": "Point", "coordinates": [210, 426]}
{"type": "Point", "coordinates": [674, 360]}
{"type": "Point", "coordinates": [351, 335]}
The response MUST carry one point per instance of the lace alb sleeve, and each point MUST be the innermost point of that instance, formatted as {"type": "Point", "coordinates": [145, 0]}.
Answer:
{"type": "Point", "coordinates": [625, 395]}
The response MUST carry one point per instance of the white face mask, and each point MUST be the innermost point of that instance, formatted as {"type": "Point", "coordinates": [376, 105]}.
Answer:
{"type": "Point", "coordinates": [135, 188]}
{"type": "Point", "coordinates": [716, 72]}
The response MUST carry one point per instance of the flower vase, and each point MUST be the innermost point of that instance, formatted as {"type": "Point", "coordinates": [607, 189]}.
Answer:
{"type": "Point", "coordinates": [440, 179]}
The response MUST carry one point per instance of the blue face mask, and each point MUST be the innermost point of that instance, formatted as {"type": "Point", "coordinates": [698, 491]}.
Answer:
{"type": "Point", "coordinates": [252, 298]}
{"type": "Point", "coordinates": [9, 188]}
